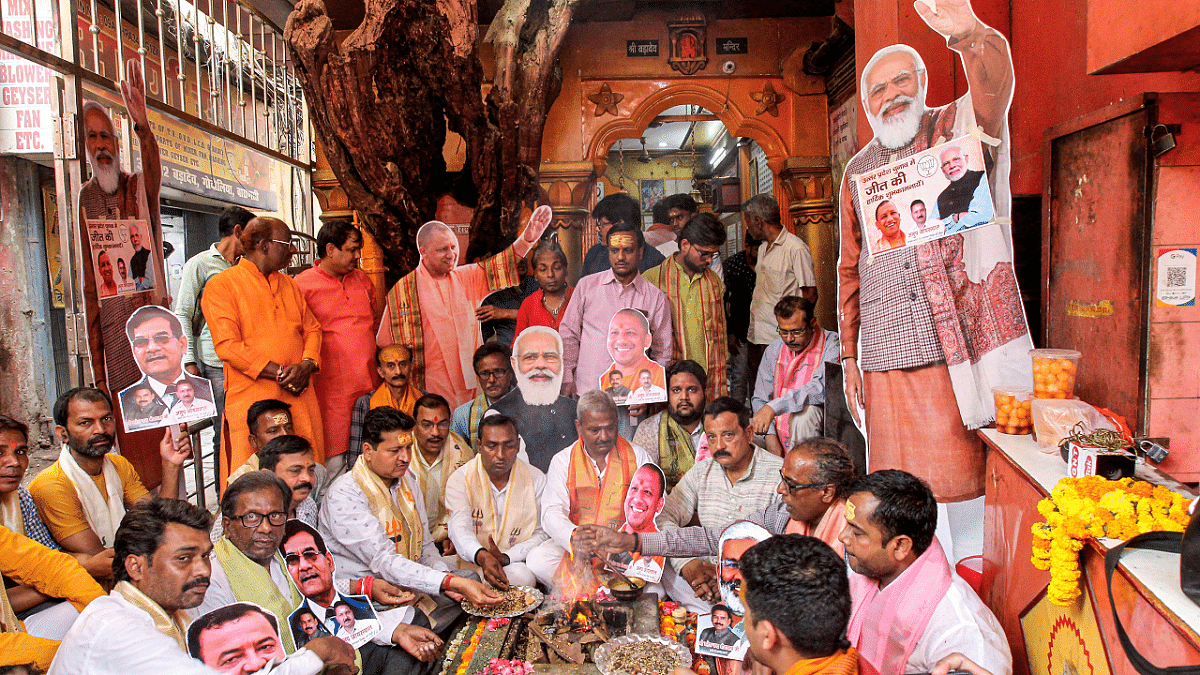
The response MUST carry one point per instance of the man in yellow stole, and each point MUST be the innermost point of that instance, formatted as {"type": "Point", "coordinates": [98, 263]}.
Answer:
{"type": "Point", "coordinates": [432, 309]}
{"type": "Point", "coordinates": [493, 504]}
{"type": "Point", "coordinates": [440, 452]}
{"type": "Point", "coordinates": [374, 522]}
{"type": "Point", "coordinates": [585, 484]}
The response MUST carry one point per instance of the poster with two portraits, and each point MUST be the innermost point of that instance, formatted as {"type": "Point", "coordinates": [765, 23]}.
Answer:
{"type": "Point", "coordinates": [166, 395]}
{"type": "Point", "coordinates": [246, 637]}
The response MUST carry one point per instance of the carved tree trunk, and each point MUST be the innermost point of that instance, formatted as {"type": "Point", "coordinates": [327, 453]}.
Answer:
{"type": "Point", "coordinates": [381, 101]}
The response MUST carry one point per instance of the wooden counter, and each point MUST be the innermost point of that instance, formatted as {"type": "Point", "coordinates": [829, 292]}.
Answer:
{"type": "Point", "coordinates": [1161, 621]}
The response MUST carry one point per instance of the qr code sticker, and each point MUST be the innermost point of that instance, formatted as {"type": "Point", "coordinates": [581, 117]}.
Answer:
{"type": "Point", "coordinates": [1176, 277]}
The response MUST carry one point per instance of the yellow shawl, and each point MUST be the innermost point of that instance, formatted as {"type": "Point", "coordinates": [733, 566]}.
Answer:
{"type": "Point", "coordinates": [455, 453]}
{"type": "Point", "coordinates": [251, 582]}
{"type": "Point", "coordinates": [401, 521]}
{"type": "Point", "coordinates": [520, 506]}
{"type": "Point", "coordinates": [171, 626]}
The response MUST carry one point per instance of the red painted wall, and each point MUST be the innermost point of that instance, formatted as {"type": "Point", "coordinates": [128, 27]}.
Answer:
{"type": "Point", "coordinates": [1049, 43]}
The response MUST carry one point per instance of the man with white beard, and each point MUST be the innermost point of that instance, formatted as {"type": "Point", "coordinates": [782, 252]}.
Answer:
{"type": "Point", "coordinates": [112, 194]}
{"type": "Point", "coordinates": [545, 420]}
{"type": "Point", "coordinates": [927, 330]}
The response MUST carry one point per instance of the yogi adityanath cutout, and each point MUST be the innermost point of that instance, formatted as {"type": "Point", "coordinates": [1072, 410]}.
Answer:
{"type": "Point", "coordinates": [643, 502]}
{"type": "Point", "coordinates": [629, 341]}
{"type": "Point", "coordinates": [432, 309]}
{"type": "Point", "coordinates": [887, 221]}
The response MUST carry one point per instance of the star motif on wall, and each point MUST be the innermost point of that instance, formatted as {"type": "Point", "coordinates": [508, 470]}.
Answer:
{"type": "Point", "coordinates": [768, 100]}
{"type": "Point", "coordinates": [606, 100]}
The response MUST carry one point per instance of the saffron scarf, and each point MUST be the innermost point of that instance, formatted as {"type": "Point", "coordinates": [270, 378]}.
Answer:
{"type": "Point", "coordinates": [675, 452]}
{"type": "Point", "coordinates": [793, 371]}
{"type": "Point", "coordinates": [455, 453]}
{"type": "Point", "coordinates": [9, 623]}
{"type": "Point", "coordinates": [886, 624]}
{"type": "Point", "coordinates": [171, 626]}
{"type": "Point", "coordinates": [594, 503]}
{"type": "Point", "coordinates": [383, 397]}
{"type": "Point", "coordinates": [251, 582]}
{"type": "Point", "coordinates": [400, 520]}
{"type": "Point", "coordinates": [474, 414]}
{"type": "Point", "coordinates": [671, 276]}
{"type": "Point", "coordinates": [103, 512]}
{"type": "Point", "coordinates": [520, 505]}
{"type": "Point", "coordinates": [827, 528]}
{"type": "Point", "coordinates": [844, 662]}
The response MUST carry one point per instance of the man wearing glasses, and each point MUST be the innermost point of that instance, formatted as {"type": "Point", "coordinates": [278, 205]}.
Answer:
{"type": "Point", "coordinates": [268, 338]}
{"type": "Point", "coordinates": [817, 477]}
{"type": "Point", "coordinates": [789, 394]}
{"type": "Point", "coordinates": [738, 480]}
{"type": "Point", "coordinates": [159, 345]}
{"type": "Point", "coordinates": [697, 297]}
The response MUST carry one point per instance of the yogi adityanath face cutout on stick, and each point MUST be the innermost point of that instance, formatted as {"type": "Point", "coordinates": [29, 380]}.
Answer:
{"type": "Point", "coordinates": [645, 499]}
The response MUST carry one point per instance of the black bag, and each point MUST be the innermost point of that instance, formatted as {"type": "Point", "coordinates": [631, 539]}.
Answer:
{"type": "Point", "coordinates": [1187, 545]}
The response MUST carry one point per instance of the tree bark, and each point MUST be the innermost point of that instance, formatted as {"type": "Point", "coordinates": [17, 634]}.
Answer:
{"type": "Point", "coordinates": [381, 101]}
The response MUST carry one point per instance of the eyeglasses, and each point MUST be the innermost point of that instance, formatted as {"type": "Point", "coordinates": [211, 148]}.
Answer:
{"type": "Point", "coordinates": [252, 519]}
{"type": "Point", "coordinates": [792, 487]}
{"type": "Point", "coordinates": [285, 243]}
{"type": "Point", "coordinates": [309, 554]}
{"type": "Point", "coordinates": [706, 255]}
{"type": "Point", "coordinates": [798, 333]}
{"type": "Point", "coordinates": [486, 375]}
{"type": "Point", "coordinates": [160, 339]}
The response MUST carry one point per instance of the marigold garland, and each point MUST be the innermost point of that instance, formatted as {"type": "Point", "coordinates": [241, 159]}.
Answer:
{"type": "Point", "coordinates": [1081, 508]}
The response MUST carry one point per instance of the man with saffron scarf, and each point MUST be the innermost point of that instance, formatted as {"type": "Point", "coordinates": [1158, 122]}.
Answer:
{"type": "Point", "coordinates": [816, 477]}
{"type": "Point", "coordinates": [585, 485]}
{"type": "Point", "coordinates": [432, 309]}
{"type": "Point", "coordinates": [394, 365]}
{"type": "Point", "coordinates": [373, 520]}
{"type": "Point", "coordinates": [162, 569]}
{"type": "Point", "coordinates": [910, 610]}
{"type": "Point", "coordinates": [789, 395]}
{"type": "Point", "coordinates": [697, 297]}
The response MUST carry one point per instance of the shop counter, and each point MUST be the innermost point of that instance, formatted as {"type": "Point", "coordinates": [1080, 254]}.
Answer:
{"type": "Point", "coordinates": [1081, 640]}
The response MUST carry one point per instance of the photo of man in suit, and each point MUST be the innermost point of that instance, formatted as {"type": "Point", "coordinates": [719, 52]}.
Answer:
{"type": "Point", "coordinates": [159, 345]}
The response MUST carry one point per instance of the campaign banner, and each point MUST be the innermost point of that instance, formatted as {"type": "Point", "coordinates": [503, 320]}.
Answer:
{"type": "Point", "coordinates": [932, 194]}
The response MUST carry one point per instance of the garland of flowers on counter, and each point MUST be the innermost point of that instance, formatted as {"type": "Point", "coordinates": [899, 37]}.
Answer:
{"type": "Point", "coordinates": [1092, 506]}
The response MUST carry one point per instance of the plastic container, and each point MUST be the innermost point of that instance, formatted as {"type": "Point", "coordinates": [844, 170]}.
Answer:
{"type": "Point", "coordinates": [1014, 415]}
{"type": "Point", "coordinates": [1054, 372]}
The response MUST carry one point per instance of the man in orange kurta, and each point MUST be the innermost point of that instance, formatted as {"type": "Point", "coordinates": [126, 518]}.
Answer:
{"type": "Point", "coordinates": [267, 337]}
{"type": "Point", "coordinates": [432, 310]}
{"type": "Point", "coordinates": [342, 298]}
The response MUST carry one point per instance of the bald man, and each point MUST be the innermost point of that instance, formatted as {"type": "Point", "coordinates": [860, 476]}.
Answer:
{"type": "Point", "coordinates": [267, 337]}
{"type": "Point", "coordinates": [432, 309]}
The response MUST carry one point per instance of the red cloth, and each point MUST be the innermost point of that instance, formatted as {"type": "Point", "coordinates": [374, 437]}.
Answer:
{"type": "Point", "coordinates": [347, 312]}
{"type": "Point", "coordinates": [533, 312]}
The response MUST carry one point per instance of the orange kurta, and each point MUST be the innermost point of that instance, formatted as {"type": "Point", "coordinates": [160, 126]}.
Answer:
{"type": "Point", "coordinates": [256, 320]}
{"type": "Point", "coordinates": [346, 311]}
